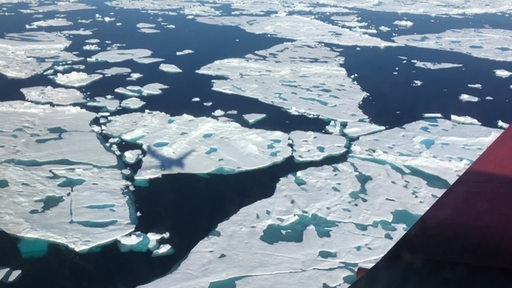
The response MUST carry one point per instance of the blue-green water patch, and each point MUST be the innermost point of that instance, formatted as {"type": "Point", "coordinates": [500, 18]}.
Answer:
{"type": "Point", "coordinates": [4, 183]}
{"type": "Point", "coordinates": [208, 135]}
{"type": "Point", "coordinates": [404, 217]}
{"type": "Point", "coordinates": [96, 224]}
{"type": "Point", "coordinates": [160, 144]}
{"type": "Point", "coordinates": [71, 182]}
{"type": "Point", "coordinates": [100, 206]}
{"type": "Point", "coordinates": [226, 283]}
{"type": "Point", "coordinates": [428, 143]}
{"type": "Point", "coordinates": [294, 232]}
{"type": "Point", "coordinates": [32, 248]}
{"type": "Point", "coordinates": [327, 254]}
{"type": "Point", "coordinates": [211, 150]}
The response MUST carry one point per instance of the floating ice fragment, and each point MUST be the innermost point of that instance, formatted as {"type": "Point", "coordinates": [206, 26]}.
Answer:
{"type": "Point", "coordinates": [218, 113]}
{"type": "Point", "coordinates": [115, 71]}
{"type": "Point", "coordinates": [464, 120]}
{"type": "Point", "coordinates": [184, 52]}
{"type": "Point", "coordinates": [434, 66]}
{"type": "Point", "coordinates": [132, 103]}
{"type": "Point", "coordinates": [132, 156]}
{"type": "Point", "coordinates": [502, 73]}
{"type": "Point", "coordinates": [477, 86]}
{"type": "Point", "coordinates": [502, 124]}
{"type": "Point", "coordinates": [91, 47]}
{"type": "Point", "coordinates": [403, 23]}
{"type": "Point", "coordinates": [134, 76]}
{"type": "Point", "coordinates": [468, 98]}
{"type": "Point", "coordinates": [148, 60]}
{"type": "Point", "coordinates": [59, 96]}
{"type": "Point", "coordinates": [146, 90]}
{"type": "Point", "coordinates": [254, 117]}
{"type": "Point", "coordinates": [76, 79]}
{"type": "Point", "coordinates": [121, 55]}
{"type": "Point", "coordinates": [170, 68]}
{"type": "Point", "coordinates": [163, 250]}
{"type": "Point", "coordinates": [57, 22]}
{"type": "Point", "coordinates": [110, 105]}
{"type": "Point", "coordinates": [416, 83]}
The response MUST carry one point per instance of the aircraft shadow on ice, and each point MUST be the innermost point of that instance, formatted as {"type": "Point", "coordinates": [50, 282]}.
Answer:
{"type": "Point", "coordinates": [165, 161]}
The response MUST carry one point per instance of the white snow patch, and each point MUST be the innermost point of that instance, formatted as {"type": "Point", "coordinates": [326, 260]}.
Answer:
{"type": "Point", "coordinates": [502, 124]}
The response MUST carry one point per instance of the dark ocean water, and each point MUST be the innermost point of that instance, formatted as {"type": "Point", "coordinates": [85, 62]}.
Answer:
{"type": "Point", "coordinates": [189, 207]}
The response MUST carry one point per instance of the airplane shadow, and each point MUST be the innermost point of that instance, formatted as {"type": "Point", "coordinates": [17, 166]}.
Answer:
{"type": "Point", "coordinates": [165, 161]}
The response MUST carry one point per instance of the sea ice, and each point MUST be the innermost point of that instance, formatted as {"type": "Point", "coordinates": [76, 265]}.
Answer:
{"type": "Point", "coordinates": [132, 103]}
{"type": "Point", "coordinates": [59, 96]}
{"type": "Point", "coordinates": [115, 71]}
{"type": "Point", "coordinates": [26, 54]}
{"type": "Point", "coordinates": [57, 22]}
{"type": "Point", "coordinates": [76, 79]}
{"type": "Point", "coordinates": [311, 146]}
{"type": "Point", "coordinates": [120, 55]}
{"type": "Point", "coordinates": [468, 98]}
{"type": "Point", "coordinates": [502, 73]}
{"type": "Point", "coordinates": [254, 117]}
{"type": "Point", "coordinates": [184, 144]}
{"type": "Point", "coordinates": [302, 78]}
{"type": "Point", "coordinates": [483, 43]}
{"type": "Point", "coordinates": [108, 103]}
{"type": "Point", "coordinates": [146, 90]}
{"type": "Point", "coordinates": [464, 120]}
{"type": "Point", "coordinates": [477, 86]}
{"type": "Point", "coordinates": [68, 187]}
{"type": "Point", "coordinates": [184, 52]}
{"type": "Point", "coordinates": [169, 68]}
{"type": "Point", "coordinates": [434, 66]}
{"type": "Point", "coordinates": [403, 23]}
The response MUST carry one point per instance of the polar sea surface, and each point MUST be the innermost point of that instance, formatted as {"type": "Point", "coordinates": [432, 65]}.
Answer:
{"type": "Point", "coordinates": [235, 143]}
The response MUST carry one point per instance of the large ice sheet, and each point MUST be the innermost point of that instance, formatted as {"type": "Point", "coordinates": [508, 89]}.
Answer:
{"type": "Point", "coordinates": [302, 78]}
{"type": "Point", "coordinates": [23, 55]}
{"type": "Point", "coordinates": [58, 182]}
{"type": "Point", "coordinates": [48, 94]}
{"type": "Point", "coordinates": [321, 223]}
{"type": "Point", "coordinates": [483, 43]}
{"type": "Point", "coordinates": [299, 28]}
{"type": "Point", "coordinates": [184, 144]}
{"type": "Point", "coordinates": [311, 146]}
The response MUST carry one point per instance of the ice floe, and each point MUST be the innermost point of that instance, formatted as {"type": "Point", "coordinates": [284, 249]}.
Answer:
{"type": "Point", "coordinates": [115, 71]}
{"type": "Point", "coordinates": [298, 28]}
{"type": "Point", "coordinates": [68, 187]}
{"type": "Point", "coordinates": [184, 52]}
{"type": "Point", "coordinates": [76, 79]}
{"type": "Point", "coordinates": [120, 55]}
{"type": "Point", "coordinates": [132, 103]}
{"type": "Point", "coordinates": [302, 78]}
{"type": "Point", "coordinates": [322, 223]}
{"type": "Point", "coordinates": [403, 23]}
{"type": "Point", "coordinates": [57, 22]}
{"type": "Point", "coordinates": [254, 117]}
{"type": "Point", "coordinates": [8, 275]}
{"type": "Point", "coordinates": [146, 90]}
{"type": "Point", "coordinates": [483, 43]}
{"type": "Point", "coordinates": [468, 98]}
{"type": "Point", "coordinates": [169, 68]}
{"type": "Point", "coordinates": [109, 103]}
{"type": "Point", "coordinates": [184, 144]}
{"type": "Point", "coordinates": [26, 54]}
{"type": "Point", "coordinates": [502, 73]}
{"type": "Point", "coordinates": [48, 94]}
{"type": "Point", "coordinates": [464, 120]}
{"type": "Point", "coordinates": [140, 242]}
{"type": "Point", "coordinates": [434, 66]}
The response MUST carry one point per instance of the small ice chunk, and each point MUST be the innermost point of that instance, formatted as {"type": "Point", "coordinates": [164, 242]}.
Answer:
{"type": "Point", "coordinates": [91, 47]}
{"type": "Point", "coordinates": [132, 156]}
{"type": "Point", "coordinates": [403, 23]}
{"type": "Point", "coordinates": [134, 76]}
{"type": "Point", "coordinates": [184, 52]}
{"type": "Point", "coordinates": [468, 98]}
{"type": "Point", "coordinates": [502, 73]}
{"type": "Point", "coordinates": [434, 66]}
{"type": "Point", "coordinates": [416, 83]}
{"type": "Point", "coordinates": [502, 124]}
{"type": "Point", "coordinates": [169, 68]}
{"type": "Point", "coordinates": [76, 79]}
{"type": "Point", "coordinates": [218, 113]}
{"type": "Point", "coordinates": [465, 120]}
{"type": "Point", "coordinates": [163, 250]}
{"type": "Point", "coordinates": [477, 86]}
{"type": "Point", "coordinates": [254, 117]}
{"type": "Point", "coordinates": [59, 96]}
{"type": "Point", "coordinates": [110, 104]}
{"type": "Point", "coordinates": [148, 60]}
{"type": "Point", "coordinates": [196, 99]}
{"type": "Point", "coordinates": [432, 115]}
{"type": "Point", "coordinates": [56, 22]}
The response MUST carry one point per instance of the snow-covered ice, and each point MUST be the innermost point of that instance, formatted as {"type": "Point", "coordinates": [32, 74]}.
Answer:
{"type": "Point", "coordinates": [465, 120]}
{"type": "Point", "coordinates": [184, 144]}
{"type": "Point", "coordinates": [434, 66]}
{"type": "Point", "coordinates": [468, 98]}
{"type": "Point", "coordinates": [76, 79]}
{"type": "Point", "coordinates": [48, 94]}
{"type": "Point", "coordinates": [132, 103]}
{"type": "Point", "coordinates": [502, 73]}
{"type": "Point", "coordinates": [120, 55]}
{"type": "Point", "coordinates": [311, 146]}
{"type": "Point", "coordinates": [115, 71]}
{"type": "Point", "coordinates": [169, 68]}
{"type": "Point", "coordinates": [68, 186]}
{"type": "Point", "coordinates": [57, 22]}
{"type": "Point", "coordinates": [254, 117]}
{"type": "Point", "coordinates": [146, 90]}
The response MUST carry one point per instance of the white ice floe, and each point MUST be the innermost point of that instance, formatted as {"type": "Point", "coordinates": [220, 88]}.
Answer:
{"type": "Point", "coordinates": [26, 54]}
{"type": "Point", "coordinates": [298, 28]}
{"type": "Point", "coordinates": [132, 103]}
{"type": "Point", "coordinates": [502, 73]}
{"type": "Point", "coordinates": [108, 103]}
{"type": "Point", "coordinates": [169, 68]}
{"type": "Point", "coordinates": [311, 146]}
{"type": "Point", "coordinates": [464, 120]}
{"type": "Point", "coordinates": [434, 66]}
{"type": "Point", "coordinates": [80, 31]}
{"type": "Point", "coordinates": [140, 242]}
{"type": "Point", "coordinates": [120, 55]}
{"type": "Point", "coordinates": [502, 124]}
{"type": "Point", "coordinates": [132, 156]}
{"type": "Point", "coordinates": [134, 76]}
{"type": "Point", "coordinates": [184, 52]}
{"type": "Point", "coordinates": [483, 43]}
{"type": "Point", "coordinates": [76, 79]}
{"type": "Point", "coordinates": [148, 30]}
{"type": "Point", "coordinates": [302, 78]}
{"type": "Point", "coordinates": [148, 60]}
{"type": "Point", "coordinates": [437, 147]}
{"type": "Point", "coordinates": [91, 47]}
{"type": "Point", "coordinates": [254, 117]}
{"type": "Point", "coordinates": [185, 144]}
{"type": "Point", "coordinates": [146, 90]}
{"type": "Point", "coordinates": [403, 23]}
{"type": "Point", "coordinates": [115, 71]}
{"type": "Point", "coordinates": [416, 83]}
{"type": "Point", "coordinates": [57, 22]}
{"type": "Point", "coordinates": [218, 113]}
{"type": "Point", "coordinates": [468, 98]}
{"type": "Point", "coordinates": [60, 6]}
{"type": "Point", "coordinates": [476, 86]}
{"type": "Point", "coordinates": [67, 185]}
{"type": "Point", "coordinates": [59, 96]}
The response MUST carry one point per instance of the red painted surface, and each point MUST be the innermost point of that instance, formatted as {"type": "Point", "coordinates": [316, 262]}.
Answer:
{"type": "Point", "coordinates": [465, 238]}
